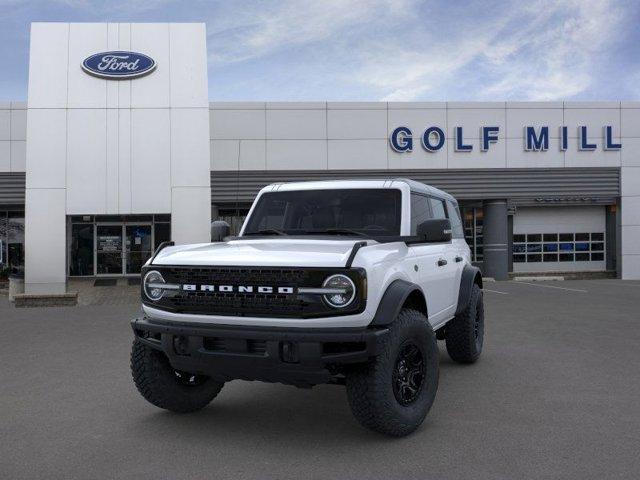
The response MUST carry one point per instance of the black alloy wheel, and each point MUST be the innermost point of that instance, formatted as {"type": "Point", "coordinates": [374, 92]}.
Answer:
{"type": "Point", "coordinates": [408, 373]}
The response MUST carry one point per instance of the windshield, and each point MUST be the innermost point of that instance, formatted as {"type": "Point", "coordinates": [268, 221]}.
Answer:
{"type": "Point", "coordinates": [359, 212]}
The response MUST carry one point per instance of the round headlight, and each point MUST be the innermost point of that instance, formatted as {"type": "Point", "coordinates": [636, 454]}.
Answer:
{"type": "Point", "coordinates": [150, 282]}
{"type": "Point", "coordinates": [345, 291]}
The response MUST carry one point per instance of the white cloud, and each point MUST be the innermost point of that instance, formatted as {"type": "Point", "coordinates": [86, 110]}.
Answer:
{"type": "Point", "coordinates": [543, 51]}
{"type": "Point", "coordinates": [255, 32]}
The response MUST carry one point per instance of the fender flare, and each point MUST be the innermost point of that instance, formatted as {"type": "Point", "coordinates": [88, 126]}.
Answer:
{"type": "Point", "coordinates": [392, 301]}
{"type": "Point", "coordinates": [470, 275]}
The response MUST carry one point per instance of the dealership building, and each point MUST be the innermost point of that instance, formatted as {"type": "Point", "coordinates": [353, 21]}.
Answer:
{"type": "Point", "coordinates": [118, 148]}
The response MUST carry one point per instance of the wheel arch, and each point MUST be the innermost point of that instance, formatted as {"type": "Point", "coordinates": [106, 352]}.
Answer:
{"type": "Point", "coordinates": [398, 295]}
{"type": "Point", "coordinates": [470, 276]}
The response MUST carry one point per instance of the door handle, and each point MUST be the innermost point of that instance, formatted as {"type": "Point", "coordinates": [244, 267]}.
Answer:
{"type": "Point", "coordinates": [458, 259]}
{"type": "Point", "coordinates": [442, 262]}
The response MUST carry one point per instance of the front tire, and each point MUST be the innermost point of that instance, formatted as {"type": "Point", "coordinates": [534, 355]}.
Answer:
{"type": "Point", "coordinates": [394, 392]}
{"type": "Point", "coordinates": [464, 335]}
{"type": "Point", "coordinates": [163, 386]}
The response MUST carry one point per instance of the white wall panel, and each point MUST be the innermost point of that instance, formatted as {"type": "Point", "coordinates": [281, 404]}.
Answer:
{"type": "Point", "coordinates": [418, 158]}
{"type": "Point", "coordinates": [237, 124]}
{"type": "Point", "coordinates": [518, 118]}
{"type": "Point", "coordinates": [418, 120]}
{"type": "Point", "coordinates": [86, 91]}
{"type": "Point", "coordinates": [630, 153]}
{"type": "Point", "coordinates": [5, 124]}
{"type": "Point", "coordinates": [189, 145]}
{"type": "Point", "coordinates": [48, 57]}
{"type": "Point", "coordinates": [592, 118]}
{"type": "Point", "coordinates": [630, 181]}
{"type": "Point", "coordinates": [18, 124]}
{"type": "Point", "coordinates": [495, 157]}
{"type": "Point", "coordinates": [296, 154]}
{"type": "Point", "coordinates": [472, 119]}
{"type": "Point", "coordinates": [296, 124]}
{"type": "Point", "coordinates": [113, 43]}
{"type": "Point", "coordinates": [630, 235]}
{"type": "Point", "coordinates": [47, 148]}
{"type": "Point", "coordinates": [518, 157]}
{"type": "Point", "coordinates": [191, 215]}
{"type": "Point", "coordinates": [189, 87]}
{"type": "Point", "coordinates": [86, 161]}
{"type": "Point", "coordinates": [357, 154]}
{"type": "Point", "coordinates": [630, 211]}
{"type": "Point", "coordinates": [112, 162]}
{"type": "Point", "coordinates": [124, 161]}
{"type": "Point", "coordinates": [224, 154]}
{"type": "Point", "coordinates": [153, 90]}
{"type": "Point", "coordinates": [45, 241]}
{"type": "Point", "coordinates": [597, 158]}
{"type": "Point", "coordinates": [357, 124]}
{"type": "Point", "coordinates": [124, 86]}
{"type": "Point", "coordinates": [5, 156]}
{"type": "Point", "coordinates": [18, 156]}
{"type": "Point", "coordinates": [630, 122]}
{"type": "Point", "coordinates": [253, 155]}
{"type": "Point", "coordinates": [150, 161]}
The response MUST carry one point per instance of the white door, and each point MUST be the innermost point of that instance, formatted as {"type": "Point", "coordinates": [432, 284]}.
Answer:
{"type": "Point", "coordinates": [437, 269]}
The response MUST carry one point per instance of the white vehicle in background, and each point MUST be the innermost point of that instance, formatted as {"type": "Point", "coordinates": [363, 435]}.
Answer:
{"type": "Point", "coordinates": [342, 282]}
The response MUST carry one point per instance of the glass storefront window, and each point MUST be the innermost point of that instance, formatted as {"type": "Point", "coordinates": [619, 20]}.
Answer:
{"type": "Point", "coordinates": [114, 245]}
{"type": "Point", "coordinates": [473, 223]}
{"type": "Point", "coordinates": [81, 253]}
{"type": "Point", "coordinates": [12, 240]}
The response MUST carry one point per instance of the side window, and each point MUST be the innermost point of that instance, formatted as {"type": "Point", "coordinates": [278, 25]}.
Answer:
{"type": "Point", "coordinates": [420, 211]}
{"type": "Point", "coordinates": [456, 221]}
{"type": "Point", "coordinates": [437, 207]}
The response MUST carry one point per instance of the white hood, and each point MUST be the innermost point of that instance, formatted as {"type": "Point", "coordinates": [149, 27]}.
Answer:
{"type": "Point", "coordinates": [271, 252]}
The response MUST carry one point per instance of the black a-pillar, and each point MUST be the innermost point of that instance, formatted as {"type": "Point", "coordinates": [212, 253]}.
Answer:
{"type": "Point", "coordinates": [495, 239]}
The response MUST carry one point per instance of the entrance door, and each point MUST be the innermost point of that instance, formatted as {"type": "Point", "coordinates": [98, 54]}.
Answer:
{"type": "Point", "coordinates": [109, 249]}
{"type": "Point", "coordinates": [138, 247]}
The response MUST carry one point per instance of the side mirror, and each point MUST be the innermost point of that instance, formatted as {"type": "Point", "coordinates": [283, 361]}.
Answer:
{"type": "Point", "coordinates": [219, 230]}
{"type": "Point", "coordinates": [435, 230]}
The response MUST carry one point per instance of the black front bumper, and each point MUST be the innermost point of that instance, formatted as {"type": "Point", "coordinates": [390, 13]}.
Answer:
{"type": "Point", "coordinates": [301, 357]}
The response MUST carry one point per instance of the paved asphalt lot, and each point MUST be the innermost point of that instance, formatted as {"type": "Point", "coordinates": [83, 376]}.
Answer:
{"type": "Point", "coordinates": [555, 395]}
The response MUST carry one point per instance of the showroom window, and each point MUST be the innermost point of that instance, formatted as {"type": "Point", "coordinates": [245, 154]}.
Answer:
{"type": "Point", "coordinates": [472, 219]}
{"type": "Point", "coordinates": [114, 244]}
{"type": "Point", "coordinates": [11, 242]}
{"type": "Point", "coordinates": [558, 247]}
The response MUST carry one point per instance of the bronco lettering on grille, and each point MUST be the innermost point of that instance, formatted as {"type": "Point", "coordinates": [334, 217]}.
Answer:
{"type": "Point", "coordinates": [191, 287]}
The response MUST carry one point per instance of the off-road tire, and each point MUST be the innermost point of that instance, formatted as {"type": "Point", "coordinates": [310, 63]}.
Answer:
{"type": "Point", "coordinates": [157, 382]}
{"type": "Point", "coordinates": [464, 335]}
{"type": "Point", "coordinates": [370, 387]}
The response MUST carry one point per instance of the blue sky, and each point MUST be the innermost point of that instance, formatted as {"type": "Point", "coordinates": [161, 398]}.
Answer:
{"type": "Point", "coordinates": [377, 49]}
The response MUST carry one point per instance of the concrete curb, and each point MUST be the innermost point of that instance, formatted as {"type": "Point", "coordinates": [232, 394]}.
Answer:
{"type": "Point", "coordinates": [25, 300]}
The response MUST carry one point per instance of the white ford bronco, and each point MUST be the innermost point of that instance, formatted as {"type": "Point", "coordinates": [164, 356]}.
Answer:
{"type": "Point", "coordinates": [342, 282]}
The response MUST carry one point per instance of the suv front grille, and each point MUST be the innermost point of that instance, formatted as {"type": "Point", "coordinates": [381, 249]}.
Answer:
{"type": "Point", "coordinates": [254, 304]}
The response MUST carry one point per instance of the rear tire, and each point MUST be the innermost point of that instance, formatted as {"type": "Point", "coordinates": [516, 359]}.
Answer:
{"type": "Point", "coordinates": [394, 392]}
{"type": "Point", "coordinates": [163, 386]}
{"type": "Point", "coordinates": [464, 335]}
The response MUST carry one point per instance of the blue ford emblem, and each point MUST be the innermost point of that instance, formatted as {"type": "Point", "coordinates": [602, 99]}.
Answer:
{"type": "Point", "coordinates": [118, 65]}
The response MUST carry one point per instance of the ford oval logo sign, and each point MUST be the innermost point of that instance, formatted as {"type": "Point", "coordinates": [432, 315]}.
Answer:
{"type": "Point", "coordinates": [118, 65]}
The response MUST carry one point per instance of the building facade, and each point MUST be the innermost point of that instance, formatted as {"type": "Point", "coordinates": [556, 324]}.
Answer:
{"type": "Point", "coordinates": [106, 168]}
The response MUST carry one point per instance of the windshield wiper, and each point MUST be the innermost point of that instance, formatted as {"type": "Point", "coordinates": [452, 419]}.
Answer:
{"type": "Point", "coordinates": [267, 231]}
{"type": "Point", "coordinates": [339, 231]}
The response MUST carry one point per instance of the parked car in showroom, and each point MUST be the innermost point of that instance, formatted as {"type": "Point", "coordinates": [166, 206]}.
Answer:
{"type": "Point", "coordinates": [342, 282]}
